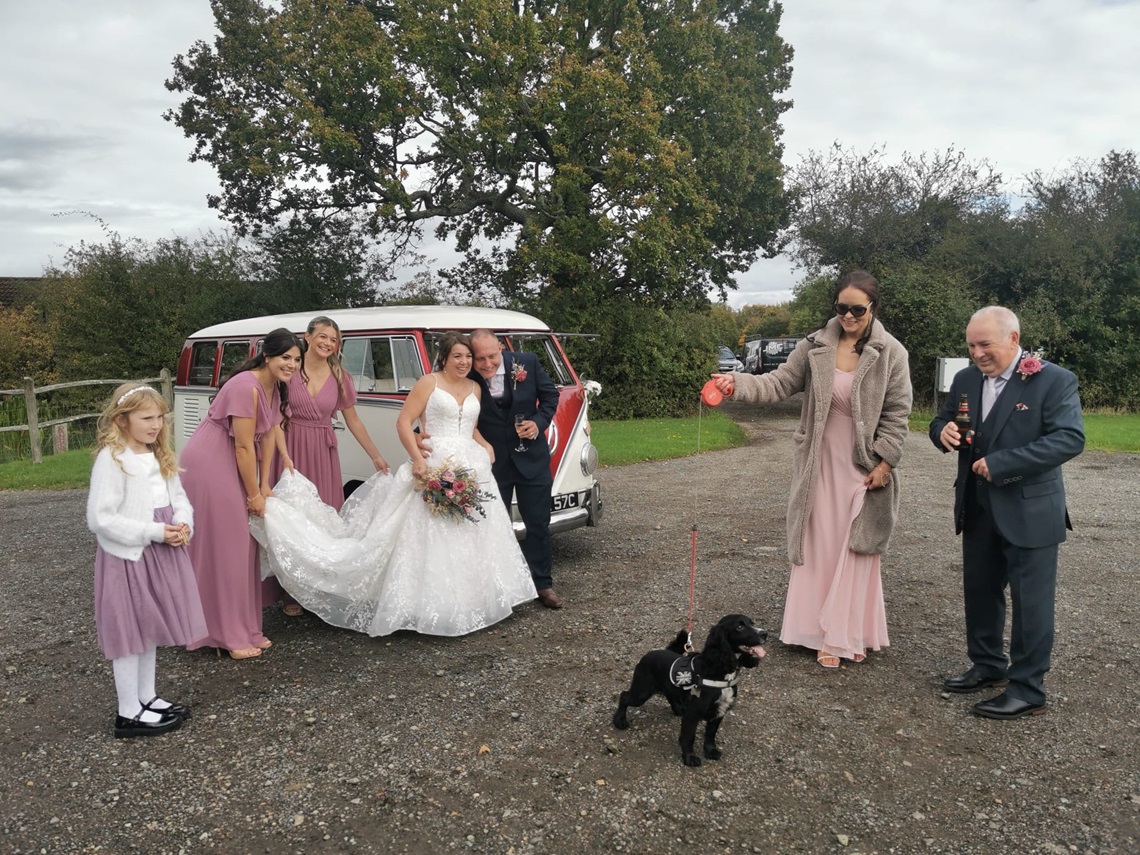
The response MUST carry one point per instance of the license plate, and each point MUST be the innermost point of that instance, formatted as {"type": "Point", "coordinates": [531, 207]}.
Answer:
{"type": "Point", "coordinates": [563, 501]}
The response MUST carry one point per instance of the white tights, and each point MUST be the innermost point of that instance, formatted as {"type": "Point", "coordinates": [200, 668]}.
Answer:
{"type": "Point", "coordinates": [134, 685]}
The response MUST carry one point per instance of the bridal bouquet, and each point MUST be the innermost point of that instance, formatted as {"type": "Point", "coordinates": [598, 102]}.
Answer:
{"type": "Point", "coordinates": [453, 490]}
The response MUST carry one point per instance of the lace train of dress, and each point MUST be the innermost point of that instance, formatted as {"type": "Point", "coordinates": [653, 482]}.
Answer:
{"type": "Point", "coordinates": [386, 562]}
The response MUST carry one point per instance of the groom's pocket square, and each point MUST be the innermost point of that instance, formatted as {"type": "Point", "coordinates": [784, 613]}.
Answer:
{"type": "Point", "coordinates": [1021, 408]}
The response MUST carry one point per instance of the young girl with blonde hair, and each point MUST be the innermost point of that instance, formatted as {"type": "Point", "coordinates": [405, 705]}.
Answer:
{"type": "Point", "coordinates": [145, 590]}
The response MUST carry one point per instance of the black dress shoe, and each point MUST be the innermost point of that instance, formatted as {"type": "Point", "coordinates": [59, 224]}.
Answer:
{"type": "Point", "coordinates": [126, 728]}
{"type": "Point", "coordinates": [1005, 706]}
{"type": "Point", "coordinates": [974, 680]}
{"type": "Point", "coordinates": [182, 711]}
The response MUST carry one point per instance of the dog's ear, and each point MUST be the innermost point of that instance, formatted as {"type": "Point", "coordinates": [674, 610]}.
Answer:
{"type": "Point", "coordinates": [718, 656]}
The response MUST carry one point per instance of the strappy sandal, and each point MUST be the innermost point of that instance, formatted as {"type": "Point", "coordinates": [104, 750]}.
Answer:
{"type": "Point", "coordinates": [858, 657]}
{"type": "Point", "coordinates": [827, 660]}
{"type": "Point", "coordinates": [245, 653]}
{"type": "Point", "coordinates": [265, 644]}
{"type": "Point", "coordinates": [292, 610]}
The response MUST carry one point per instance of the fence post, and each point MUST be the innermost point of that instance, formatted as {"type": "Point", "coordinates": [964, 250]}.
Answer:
{"type": "Point", "coordinates": [59, 438]}
{"type": "Point", "coordinates": [33, 419]}
{"type": "Point", "coordinates": [167, 388]}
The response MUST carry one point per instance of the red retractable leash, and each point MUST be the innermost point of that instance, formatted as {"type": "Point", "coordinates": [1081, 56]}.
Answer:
{"type": "Point", "coordinates": [692, 586]}
{"type": "Point", "coordinates": [711, 396]}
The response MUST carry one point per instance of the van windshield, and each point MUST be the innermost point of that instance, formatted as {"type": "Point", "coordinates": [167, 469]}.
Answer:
{"type": "Point", "coordinates": [543, 346]}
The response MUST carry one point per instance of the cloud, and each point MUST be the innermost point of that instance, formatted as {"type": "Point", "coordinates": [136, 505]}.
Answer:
{"type": "Point", "coordinates": [1026, 85]}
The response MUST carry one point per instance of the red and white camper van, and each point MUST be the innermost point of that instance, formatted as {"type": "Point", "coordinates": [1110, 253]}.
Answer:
{"type": "Point", "coordinates": [386, 349]}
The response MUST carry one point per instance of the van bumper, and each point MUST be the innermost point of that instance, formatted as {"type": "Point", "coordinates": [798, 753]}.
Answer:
{"type": "Point", "coordinates": [590, 514]}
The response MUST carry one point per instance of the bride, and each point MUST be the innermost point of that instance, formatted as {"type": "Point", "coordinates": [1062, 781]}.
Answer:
{"type": "Point", "coordinates": [388, 561]}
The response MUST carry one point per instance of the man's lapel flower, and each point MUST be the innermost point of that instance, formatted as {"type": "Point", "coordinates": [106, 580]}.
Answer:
{"type": "Point", "coordinates": [518, 374]}
{"type": "Point", "coordinates": [1028, 366]}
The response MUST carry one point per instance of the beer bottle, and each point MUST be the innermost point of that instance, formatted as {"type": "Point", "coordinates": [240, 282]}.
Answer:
{"type": "Point", "coordinates": [962, 420]}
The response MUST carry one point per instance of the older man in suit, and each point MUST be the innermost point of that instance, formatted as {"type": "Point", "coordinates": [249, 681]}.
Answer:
{"type": "Point", "coordinates": [1009, 507]}
{"type": "Point", "coordinates": [515, 384]}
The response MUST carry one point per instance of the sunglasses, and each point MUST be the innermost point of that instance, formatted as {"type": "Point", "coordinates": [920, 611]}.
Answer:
{"type": "Point", "coordinates": [842, 309]}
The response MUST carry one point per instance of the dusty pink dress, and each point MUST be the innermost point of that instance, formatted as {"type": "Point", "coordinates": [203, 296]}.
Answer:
{"type": "Point", "coordinates": [835, 598]}
{"type": "Point", "coordinates": [313, 446]}
{"type": "Point", "coordinates": [312, 440]}
{"type": "Point", "coordinates": [222, 551]}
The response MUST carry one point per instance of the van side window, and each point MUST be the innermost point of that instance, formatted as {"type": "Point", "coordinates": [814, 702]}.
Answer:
{"type": "Point", "coordinates": [382, 363]}
{"type": "Point", "coordinates": [203, 355]}
{"type": "Point", "coordinates": [234, 353]}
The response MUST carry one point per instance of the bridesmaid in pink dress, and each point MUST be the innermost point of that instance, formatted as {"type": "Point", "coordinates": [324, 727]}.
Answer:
{"type": "Point", "coordinates": [843, 502]}
{"type": "Point", "coordinates": [223, 480]}
{"type": "Point", "coordinates": [315, 395]}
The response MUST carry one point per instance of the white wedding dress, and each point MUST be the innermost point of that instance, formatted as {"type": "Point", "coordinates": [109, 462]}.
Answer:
{"type": "Point", "coordinates": [386, 562]}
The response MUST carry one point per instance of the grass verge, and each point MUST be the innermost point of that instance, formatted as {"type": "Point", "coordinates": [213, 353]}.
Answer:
{"type": "Point", "coordinates": [68, 471]}
{"type": "Point", "coordinates": [1104, 431]}
{"type": "Point", "coordinates": [622, 442]}
{"type": "Point", "coordinates": [619, 443]}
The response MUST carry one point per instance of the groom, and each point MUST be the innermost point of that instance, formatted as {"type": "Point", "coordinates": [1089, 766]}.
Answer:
{"type": "Point", "coordinates": [515, 384]}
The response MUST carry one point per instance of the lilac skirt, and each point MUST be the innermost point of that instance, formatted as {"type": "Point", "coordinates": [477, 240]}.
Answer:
{"type": "Point", "coordinates": [145, 603]}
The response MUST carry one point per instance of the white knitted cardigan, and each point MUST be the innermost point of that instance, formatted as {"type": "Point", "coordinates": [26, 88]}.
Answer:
{"type": "Point", "coordinates": [120, 505]}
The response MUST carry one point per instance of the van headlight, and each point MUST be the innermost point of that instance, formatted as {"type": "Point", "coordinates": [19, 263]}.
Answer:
{"type": "Point", "coordinates": [589, 459]}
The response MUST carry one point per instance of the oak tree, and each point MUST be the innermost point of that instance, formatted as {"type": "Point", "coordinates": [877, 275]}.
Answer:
{"type": "Point", "coordinates": [624, 148]}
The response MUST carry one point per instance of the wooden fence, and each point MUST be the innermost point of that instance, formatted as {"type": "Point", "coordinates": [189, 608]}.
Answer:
{"type": "Point", "coordinates": [34, 425]}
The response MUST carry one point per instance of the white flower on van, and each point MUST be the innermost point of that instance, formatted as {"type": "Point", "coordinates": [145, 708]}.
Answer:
{"type": "Point", "coordinates": [593, 388]}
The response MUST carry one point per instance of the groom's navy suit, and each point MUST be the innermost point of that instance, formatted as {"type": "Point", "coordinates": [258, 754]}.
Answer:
{"type": "Point", "coordinates": [524, 474]}
{"type": "Point", "coordinates": [1012, 524]}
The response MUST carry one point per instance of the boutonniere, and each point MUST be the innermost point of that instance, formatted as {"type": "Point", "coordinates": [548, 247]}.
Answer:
{"type": "Point", "coordinates": [518, 374]}
{"type": "Point", "coordinates": [1028, 366]}
{"type": "Point", "coordinates": [1021, 408]}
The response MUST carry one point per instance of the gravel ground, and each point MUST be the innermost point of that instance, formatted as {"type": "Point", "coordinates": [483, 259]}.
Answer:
{"type": "Point", "coordinates": [501, 742]}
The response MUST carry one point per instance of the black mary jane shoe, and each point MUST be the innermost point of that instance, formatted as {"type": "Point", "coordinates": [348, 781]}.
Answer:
{"type": "Point", "coordinates": [182, 711]}
{"type": "Point", "coordinates": [1006, 707]}
{"type": "Point", "coordinates": [126, 728]}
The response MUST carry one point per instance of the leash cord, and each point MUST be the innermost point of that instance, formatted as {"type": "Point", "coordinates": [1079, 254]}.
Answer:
{"type": "Point", "coordinates": [692, 584]}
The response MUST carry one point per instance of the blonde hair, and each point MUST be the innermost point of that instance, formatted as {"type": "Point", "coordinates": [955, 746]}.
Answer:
{"type": "Point", "coordinates": [129, 398]}
{"type": "Point", "coordinates": [334, 360]}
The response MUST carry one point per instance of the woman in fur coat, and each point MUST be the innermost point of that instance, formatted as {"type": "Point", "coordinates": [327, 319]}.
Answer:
{"type": "Point", "coordinates": [844, 499]}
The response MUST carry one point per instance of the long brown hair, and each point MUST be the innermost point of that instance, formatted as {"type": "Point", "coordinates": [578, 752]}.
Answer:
{"type": "Point", "coordinates": [277, 343]}
{"type": "Point", "coordinates": [111, 429]}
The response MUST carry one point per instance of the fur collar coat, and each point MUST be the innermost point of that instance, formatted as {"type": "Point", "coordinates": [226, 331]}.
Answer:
{"type": "Point", "coordinates": [880, 403]}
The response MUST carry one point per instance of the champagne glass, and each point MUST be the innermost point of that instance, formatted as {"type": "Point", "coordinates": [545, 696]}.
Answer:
{"type": "Point", "coordinates": [519, 419]}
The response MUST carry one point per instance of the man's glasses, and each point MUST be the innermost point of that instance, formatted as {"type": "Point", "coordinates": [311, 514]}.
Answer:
{"type": "Point", "coordinates": [842, 309]}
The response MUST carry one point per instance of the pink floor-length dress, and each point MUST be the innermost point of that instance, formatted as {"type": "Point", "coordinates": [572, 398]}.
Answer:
{"type": "Point", "coordinates": [835, 598]}
{"type": "Point", "coordinates": [223, 552]}
{"type": "Point", "coordinates": [313, 447]}
{"type": "Point", "coordinates": [311, 438]}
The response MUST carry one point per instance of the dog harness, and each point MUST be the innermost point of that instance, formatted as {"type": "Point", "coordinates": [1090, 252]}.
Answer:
{"type": "Point", "coordinates": [683, 675]}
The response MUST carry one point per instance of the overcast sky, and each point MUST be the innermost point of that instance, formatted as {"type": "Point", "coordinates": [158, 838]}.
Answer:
{"type": "Point", "coordinates": [1025, 84]}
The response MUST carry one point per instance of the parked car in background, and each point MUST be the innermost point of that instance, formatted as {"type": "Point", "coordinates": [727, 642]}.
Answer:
{"type": "Point", "coordinates": [726, 361]}
{"type": "Point", "coordinates": [762, 355]}
{"type": "Point", "coordinates": [775, 352]}
{"type": "Point", "coordinates": [751, 356]}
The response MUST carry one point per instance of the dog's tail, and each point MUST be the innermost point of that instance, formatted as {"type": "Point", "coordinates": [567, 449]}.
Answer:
{"type": "Point", "coordinates": [678, 643]}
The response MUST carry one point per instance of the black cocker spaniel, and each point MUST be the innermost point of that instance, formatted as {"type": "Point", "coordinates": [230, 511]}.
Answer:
{"type": "Point", "coordinates": [699, 686]}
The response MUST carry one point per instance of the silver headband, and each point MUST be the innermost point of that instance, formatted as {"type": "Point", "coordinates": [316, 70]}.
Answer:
{"type": "Point", "coordinates": [130, 392]}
